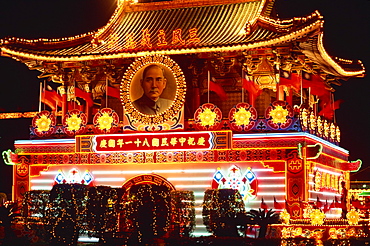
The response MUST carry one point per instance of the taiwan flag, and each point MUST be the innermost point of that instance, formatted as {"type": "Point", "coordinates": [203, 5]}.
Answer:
{"type": "Point", "coordinates": [51, 98]}
{"type": "Point", "coordinates": [263, 204]}
{"type": "Point", "coordinates": [277, 205]}
{"type": "Point", "coordinates": [251, 87]}
{"type": "Point", "coordinates": [291, 80]}
{"type": "Point", "coordinates": [316, 83]}
{"type": "Point", "coordinates": [328, 109]}
{"type": "Point", "coordinates": [218, 90]}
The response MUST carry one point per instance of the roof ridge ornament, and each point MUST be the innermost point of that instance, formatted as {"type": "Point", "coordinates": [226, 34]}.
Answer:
{"type": "Point", "coordinates": [151, 5]}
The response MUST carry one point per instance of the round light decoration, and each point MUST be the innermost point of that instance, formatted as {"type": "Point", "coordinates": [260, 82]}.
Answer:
{"type": "Point", "coordinates": [43, 124]}
{"type": "Point", "coordinates": [208, 117]}
{"type": "Point", "coordinates": [279, 115]}
{"type": "Point", "coordinates": [106, 121]}
{"type": "Point", "coordinates": [242, 117]}
{"type": "Point", "coordinates": [285, 217]}
{"type": "Point", "coordinates": [317, 217]}
{"type": "Point", "coordinates": [175, 89]}
{"type": "Point", "coordinates": [353, 217]}
{"type": "Point", "coordinates": [74, 122]}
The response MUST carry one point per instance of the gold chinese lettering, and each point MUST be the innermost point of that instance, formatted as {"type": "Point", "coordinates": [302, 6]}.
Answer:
{"type": "Point", "coordinates": [103, 143]}
{"type": "Point", "coordinates": [182, 140]}
{"type": "Point", "coordinates": [120, 142]}
{"type": "Point", "coordinates": [145, 40]}
{"type": "Point", "coordinates": [164, 142]}
{"type": "Point", "coordinates": [137, 142]}
{"type": "Point", "coordinates": [191, 141]}
{"type": "Point", "coordinates": [161, 38]}
{"type": "Point", "coordinates": [177, 37]}
{"type": "Point", "coordinates": [130, 42]}
{"type": "Point", "coordinates": [155, 142]}
{"type": "Point", "coordinates": [111, 143]}
{"type": "Point", "coordinates": [146, 143]}
{"type": "Point", "coordinates": [193, 33]}
{"type": "Point", "coordinates": [201, 141]}
{"type": "Point", "coordinates": [173, 141]}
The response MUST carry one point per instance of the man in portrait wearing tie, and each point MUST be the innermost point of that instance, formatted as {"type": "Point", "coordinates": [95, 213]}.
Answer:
{"type": "Point", "coordinates": [153, 83]}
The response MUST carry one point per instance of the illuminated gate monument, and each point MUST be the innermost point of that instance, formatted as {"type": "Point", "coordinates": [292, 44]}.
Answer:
{"type": "Point", "coordinates": [250, 105]}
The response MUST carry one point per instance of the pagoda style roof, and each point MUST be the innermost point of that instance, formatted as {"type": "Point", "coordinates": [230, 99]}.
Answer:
{"type": "Point", "coordinates": [185, 27]}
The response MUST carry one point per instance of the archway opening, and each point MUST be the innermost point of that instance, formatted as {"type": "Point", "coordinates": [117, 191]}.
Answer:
{"type": "Point", "coordinates": [146, 208]}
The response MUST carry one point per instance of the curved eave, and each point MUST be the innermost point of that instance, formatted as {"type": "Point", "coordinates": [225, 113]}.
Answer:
{"type": "Point", "coordinates": [314, 49]}
{"type": "Point", "coordinates": [167, 5]}
{"type": "Point", "coordinates": [284, 39]}
{"type": "Point", "coordinates": [216, 23]}
{"type": "Point", "coordinates": [288, 25]}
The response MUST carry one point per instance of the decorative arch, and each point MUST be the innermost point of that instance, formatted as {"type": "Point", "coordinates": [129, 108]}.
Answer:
{"type": "Point", "coordinates": [148, 179]}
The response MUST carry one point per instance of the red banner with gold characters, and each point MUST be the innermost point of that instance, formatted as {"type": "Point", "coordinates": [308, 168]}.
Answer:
{"type": "Point", "coordinates": [154, 141]}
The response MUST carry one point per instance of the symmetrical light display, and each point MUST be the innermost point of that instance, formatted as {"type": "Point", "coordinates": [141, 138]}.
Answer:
{"type": "Point", "coordinates": [208, 117]}
{"type": "Point", "coordinates": [304, 162]}
{"type": "Point", "coordinates": [242, 117]}
{"type": "Point", "coordinates": [43, 123]}
{"type": "Point", "coordinates": [353, 217]}
{"type": "Point", "coordinates": [245, 183]}
{"type": "Point", "coordinates": [73, 177]}
{"type": "Point", "coordinates": [74, 122]}
{"type": "Point", "coordinates": [106, 121]}
{"type": "Point", "coordinates": [317, 217]}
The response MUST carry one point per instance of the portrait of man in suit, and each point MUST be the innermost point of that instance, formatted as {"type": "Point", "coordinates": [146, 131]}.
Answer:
{"type": "Point", "coordinates": [153, 82]}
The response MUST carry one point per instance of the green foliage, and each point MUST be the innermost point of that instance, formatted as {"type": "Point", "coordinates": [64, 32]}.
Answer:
{"type": "Point", "coordinates": [70, 209]}
{"type": "Point", "coordinates": [8, 212]}
{"type": "Point", "coordinates": [147, 210]}
{"type": "Point", "coordinates": [223, 212]}
{"type": "Point", "coordinates": [183, 213]}
{"type": "Point", "coordinates": [262, 218]}
{"type": "Point", "coordinates": [102, 210]}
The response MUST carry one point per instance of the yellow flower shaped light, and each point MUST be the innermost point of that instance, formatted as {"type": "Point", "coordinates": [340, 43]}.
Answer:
{"type": "Point", "coordinates": [279, 114]}
{"type": "Point", "coordinates": [317, 217]}
{"type": "Point", "coordinates": [207, 117]}
{"type": "Point", "coordinates": [285, 217]}
{"type": "Point", "coordinates": [74, 123]}
{"type": "Point", "coordinates": [43, 123]}
{"type": "Point", "coordinates": [353, 217]}
{"type": "Point", "coordinates": [105, 121]}
{"type": "Point", "coordinates": [242, 117]}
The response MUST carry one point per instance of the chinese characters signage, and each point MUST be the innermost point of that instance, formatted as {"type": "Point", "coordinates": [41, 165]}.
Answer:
{"type": "Point", "coordinates": [154, 141]}
{"type": "Point", "coordinates": [163, 39]}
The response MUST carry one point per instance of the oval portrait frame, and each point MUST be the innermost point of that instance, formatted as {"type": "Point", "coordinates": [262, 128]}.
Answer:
{"type": "Point", "coordinates": [132, 72]}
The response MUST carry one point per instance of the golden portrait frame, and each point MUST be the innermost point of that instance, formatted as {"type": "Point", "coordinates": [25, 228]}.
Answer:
{"type": "Point", "coordinates": [131, 90]}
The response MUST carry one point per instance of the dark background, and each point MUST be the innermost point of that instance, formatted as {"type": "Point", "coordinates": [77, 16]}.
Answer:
{"type": "Point", "coordinates": [346, 35]}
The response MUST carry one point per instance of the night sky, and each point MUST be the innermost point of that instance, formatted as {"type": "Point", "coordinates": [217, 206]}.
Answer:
{"type": "Point", "coordinates": [346, 35]}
